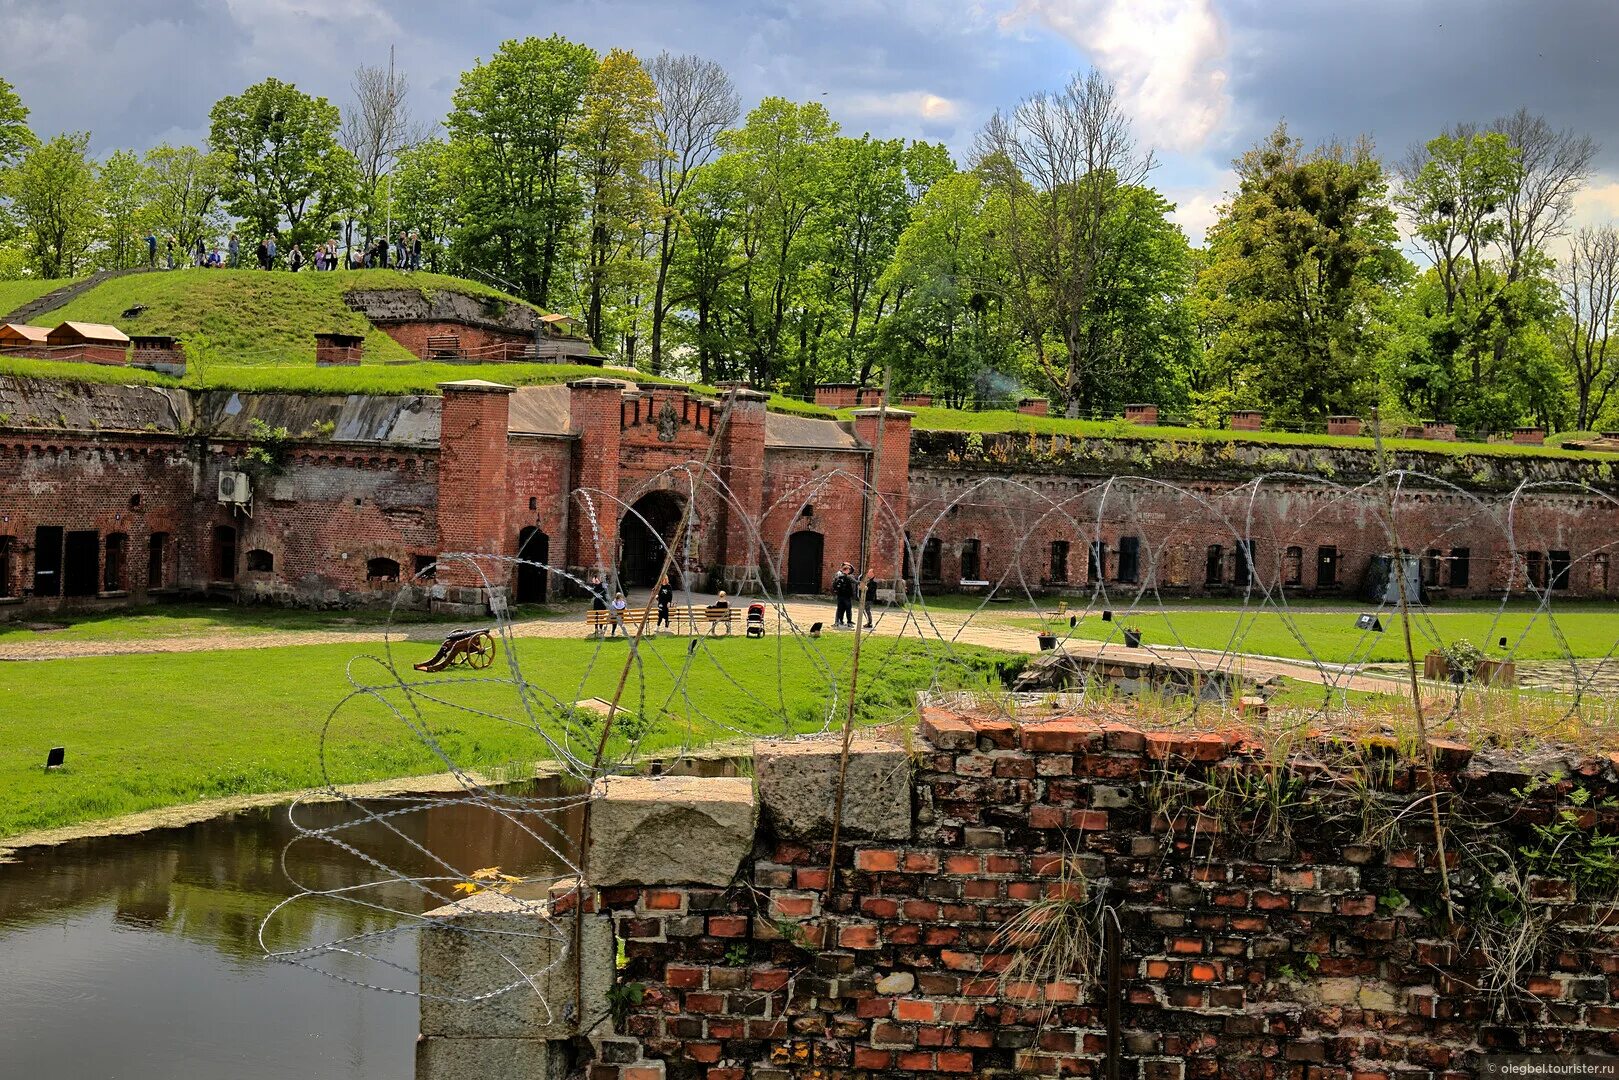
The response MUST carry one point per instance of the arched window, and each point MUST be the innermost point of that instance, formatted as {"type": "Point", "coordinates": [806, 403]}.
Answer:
{"type": "Point", "coordinates": [260, 561]}
{"type": "Point", "coordinates": [381, 570]}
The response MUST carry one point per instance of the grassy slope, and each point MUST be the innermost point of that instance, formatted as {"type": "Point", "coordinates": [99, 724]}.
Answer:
{"type": "Point", "coordinates": [1332, 636]}
{"type": "Point", "coordinates": [163, 729]}
{"type": "Point", "coordinates": [1003, 421]}
{"type": "Point", "coordinates": [14, 294]}
{"type": "Point", "coordinates": [250, 330]}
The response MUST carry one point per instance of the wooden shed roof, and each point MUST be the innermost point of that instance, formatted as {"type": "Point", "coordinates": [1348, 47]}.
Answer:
{"type": "Point", "coordinates": [89, 333]}
{"type": "Point", "coordinates": [22, 334]}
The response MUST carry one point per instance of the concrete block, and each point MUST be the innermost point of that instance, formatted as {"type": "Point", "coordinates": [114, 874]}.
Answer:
{"type": "Point", "coordinates": [439, 1058]}
{"type": "Point", "coordinates": [669, 830]}
{"type": "Point", "coordinates": [497, 967]}
{"type": "Point", "coordinates": [798, 783]}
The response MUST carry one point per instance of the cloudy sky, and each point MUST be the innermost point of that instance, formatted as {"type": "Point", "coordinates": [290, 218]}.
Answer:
{"type": "Point", "coordinates": [1203, 78]}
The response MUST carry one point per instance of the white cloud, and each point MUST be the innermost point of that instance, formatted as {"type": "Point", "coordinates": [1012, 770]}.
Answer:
{"type": "Point", "coordinates": [904, 105]}
{"type": "Point", "coordinates": [1165, 56]}
{"type": "Point", "coordinates": [1197, 207]}
{"type": "Point", "coordinates": [1597, 203]}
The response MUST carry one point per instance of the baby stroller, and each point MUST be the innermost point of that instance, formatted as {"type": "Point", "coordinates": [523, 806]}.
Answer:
{"type": "Point", "coordinates": [756, 620]}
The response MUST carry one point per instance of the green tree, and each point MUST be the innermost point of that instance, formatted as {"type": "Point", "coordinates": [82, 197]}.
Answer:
{"type": "Point", "coordinates": [1484, 204]}
{"type": "Point", "coordinates": [775, 167]}
{"type": "Point", "coordinates": [184, 194]}
{"type": "Point", "coordinates": [15, 137]}
{"type": "Point", "coordinates": [123, 195]}
{"type": "Point", "coordinates": [285, 170]}
{"type": "Point", "coordinates": [54, 194]}
{"type": "Point", "coordinates": [1061, 164]}
{"type": "Point", "coordinates": [952, 325]}
{"type": "Point", "coordinates": [615, 141]}
{"type": "Point", "coordinates": [518, 196]}
{"type": "Point", "coordinates": [424, 195]}
{"type": "Point", "coordinates": [1299, 261]}
{"type": "Point", "coordinates": [696, 102]}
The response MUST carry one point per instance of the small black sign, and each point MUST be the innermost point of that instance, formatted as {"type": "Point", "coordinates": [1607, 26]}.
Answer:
{"type": "Point", "coordinates": [1369, 622]}
{"type": "Point", "coordinates": [56, 758]}
{"type": "Point", "coordinates": [1107, 616]}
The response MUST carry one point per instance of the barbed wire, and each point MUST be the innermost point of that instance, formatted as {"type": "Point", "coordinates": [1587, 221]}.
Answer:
{"type": "Point", "coordinates": [1261, 529]}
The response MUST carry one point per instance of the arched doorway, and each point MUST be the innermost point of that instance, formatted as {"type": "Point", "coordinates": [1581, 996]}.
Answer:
{"type": "Point", "coordinates": [647, 530]}
{"type": "Point", "coordinates": [804, 553]}
{"type": "Point", "coordinates": [533, 546]}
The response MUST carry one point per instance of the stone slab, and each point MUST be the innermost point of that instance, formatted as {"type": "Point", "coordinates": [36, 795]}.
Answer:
{"type": "Point", "coordinates": [494, 966]}
{"type": "Point", "coordinates": [669, 830]}
{"type": "Point", "coordinates": [439, 1058]}
{"type": "Point", "coordinates": [798, 783]}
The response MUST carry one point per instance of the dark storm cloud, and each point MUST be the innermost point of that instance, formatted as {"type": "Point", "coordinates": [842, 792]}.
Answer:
{"type": "Point", "coordinates": [1404, 70]}
{"type": "Point", "coordinates": [136, 72]}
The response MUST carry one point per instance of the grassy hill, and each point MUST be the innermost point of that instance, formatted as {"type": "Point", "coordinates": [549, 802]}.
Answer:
{"type": "Point", "coordinates": [253, 318]}
{"type": "Point", "coordinates": [14, 294]}
{"type": "Point", "coordinates": [254, 330]}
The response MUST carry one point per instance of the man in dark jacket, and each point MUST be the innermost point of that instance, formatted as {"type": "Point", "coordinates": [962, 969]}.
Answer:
{"type": "Point", "coordinates": [844, 587]}
{"type": "Point", "coordinates": [598, 596]}
{"type": "Point", "coordinates": [869, 600]}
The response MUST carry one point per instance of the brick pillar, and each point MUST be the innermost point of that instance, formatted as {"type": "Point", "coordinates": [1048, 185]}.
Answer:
{"type": "Point", "coordinates": [593, 416]}
{"type": "Point", "coordinates": [890, 476]}
{"type": "Point", "coordinates": [472, 484]}
{"type": "Point", "coordinates": [741, 462]}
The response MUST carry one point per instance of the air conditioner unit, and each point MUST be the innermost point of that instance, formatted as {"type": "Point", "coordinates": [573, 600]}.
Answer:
{"type": "Point", "coordinates": [235, 487]}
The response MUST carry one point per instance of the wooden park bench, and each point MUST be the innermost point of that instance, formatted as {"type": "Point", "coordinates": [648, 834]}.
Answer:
{"type": "Point", "coordinates": [443, 345]}
{"type": "Point", "coordinates": [692, 617]}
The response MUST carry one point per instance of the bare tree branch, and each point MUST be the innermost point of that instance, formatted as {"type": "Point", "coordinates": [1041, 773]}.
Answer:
{"type": "Point", "coordinates": [1589, 281]}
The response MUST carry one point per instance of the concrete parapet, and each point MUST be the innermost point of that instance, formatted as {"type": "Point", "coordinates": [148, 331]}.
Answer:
{"type": "Point", "coordinates": [497, 967]}
{"type": "Point", "coordinates": [798, 783]}
{"type": "Point", "coordinates": [669, 830]}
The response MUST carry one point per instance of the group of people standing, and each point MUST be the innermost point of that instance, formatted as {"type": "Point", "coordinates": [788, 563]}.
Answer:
{"type": "Point", "coordinates": [403, 253]}
{"type": "Point", "coordinates": [848, 586]}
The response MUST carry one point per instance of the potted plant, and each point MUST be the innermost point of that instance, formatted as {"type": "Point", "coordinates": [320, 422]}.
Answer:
{"type": "Point", "coordinates": [1132, 636]}
{"type": "Point", "coordinates": [1048, 640]}
{"type": "Point", "coordinates": [1461, 659]}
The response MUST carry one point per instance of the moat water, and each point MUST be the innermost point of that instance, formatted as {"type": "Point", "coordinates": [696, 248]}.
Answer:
{"type": "Point", "coordinates": [138, 957]}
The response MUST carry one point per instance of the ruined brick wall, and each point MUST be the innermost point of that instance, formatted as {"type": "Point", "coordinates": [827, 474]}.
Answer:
{"type": "Point", "coordinates": [1311, 955]}
{"type": "Point", "coordinates": [483, 342]}
{"type": "Point", "coordinates": [325, 518]}
{"type": "Point", "coordinates": [1187, 531]}
{"type": "Point", "coordinates": [131, 486]}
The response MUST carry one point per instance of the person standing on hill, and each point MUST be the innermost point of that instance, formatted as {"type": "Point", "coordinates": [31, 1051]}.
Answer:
{"type": "Point", "coordinates": [295, 259]}
{"type": "Point", "coordinates": [151, 251]}
{"type": "Point", "coordinates": [263, 255]}
{"type": "Point", "coordinates": [269, 247]}
{"type": "Point", "coordinates": [415, 250]}
{"type": "Point", "coordinates": [234, 247]}
{"type": "Point", "coordinates": [168, 250]}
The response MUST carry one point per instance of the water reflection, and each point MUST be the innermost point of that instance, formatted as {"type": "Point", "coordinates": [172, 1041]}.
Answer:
{"type": "Point", "coordinates": [139, 957]}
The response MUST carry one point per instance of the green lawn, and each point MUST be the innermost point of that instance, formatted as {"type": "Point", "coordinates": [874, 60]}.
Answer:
{"type": "Point", "coordinates": [162, 729]}
{"type": "Point", "coordinates": [199, 619]}
{"type": "Point", "coordinates": [14, 294]}
{"type": "Point", "coordinates": [1589, 630]}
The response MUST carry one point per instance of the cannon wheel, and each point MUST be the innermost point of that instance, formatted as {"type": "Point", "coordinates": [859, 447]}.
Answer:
{"type": "Point", "coordinates": [480, 651]}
